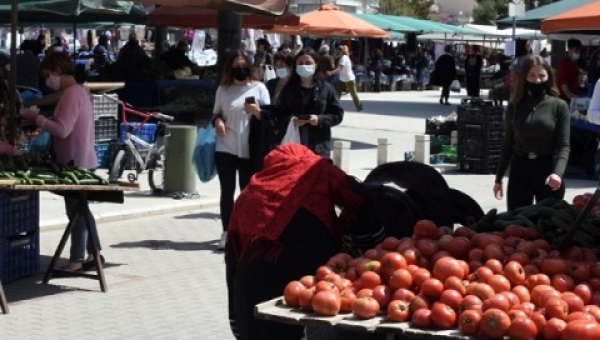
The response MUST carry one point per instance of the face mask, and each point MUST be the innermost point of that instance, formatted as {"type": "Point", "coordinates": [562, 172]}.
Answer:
{"type": "Point", "coordinates": [575, 56]}
{"type": "Point", "coordinates": [536, 89]}
{"type": "Point", "coordinates": [281, 72]}
{"type": "Point", "coordinates": [305, 71]}
{"type": "Point", "coordinates": [53, 82]}
{"type": "Point", "coordinates": [240, 73]}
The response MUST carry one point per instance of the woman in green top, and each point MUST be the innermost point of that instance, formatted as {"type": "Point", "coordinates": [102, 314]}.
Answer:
{"type": "Point", "coordinates": [536, 140]}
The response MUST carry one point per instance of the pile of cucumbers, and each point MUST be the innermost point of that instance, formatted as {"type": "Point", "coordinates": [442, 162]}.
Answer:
{"type": "Point", "coordinates": [552, 218]}
{"type": "Point", "coordinates": [42, 169]}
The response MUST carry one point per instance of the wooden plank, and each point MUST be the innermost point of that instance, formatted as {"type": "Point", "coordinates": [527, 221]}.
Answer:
{"type": "Point", "coordinates": [276, 310]}
{"type": "Point", "coordinates": [7, 182]}
{"type": "Point", "coordinates": [68, 187]}
{"type": "Point", "coordinates": [353, 323]}
{"type": "Point", "coordinates": [393, 327]}
{"type": "Point", "coordinates": [425, 334]}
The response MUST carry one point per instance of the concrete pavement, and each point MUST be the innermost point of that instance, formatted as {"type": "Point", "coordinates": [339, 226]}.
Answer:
{"type": "Point", "coordinates": [165, 279]}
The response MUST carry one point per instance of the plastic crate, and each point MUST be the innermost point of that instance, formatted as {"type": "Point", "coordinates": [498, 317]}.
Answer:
{"type": "Point", "coordinates": [106, 107]}
{"type": "Point", "coordinates": [145, 133]}
{"type": "Point", "coordinates": [20, 213]}
{"type": "Point", "coordinates": [437, 129]}
{"type": "Point", "coordinates": [103, 153]}
{"type": "Point", "coordinates": [106, 129]}
{"type": "Point", "coordinates": [21, 256]}
{"type": "Point", "coordinates": [479, 113]}
{"type": "Point", "coordinates": [479, 165]}
{"type": "Point", "coordinates": [479, 147]}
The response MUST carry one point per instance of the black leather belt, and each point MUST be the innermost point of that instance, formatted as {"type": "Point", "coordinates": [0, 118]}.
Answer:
{"type": "Point", "coordinates": [530, 155]}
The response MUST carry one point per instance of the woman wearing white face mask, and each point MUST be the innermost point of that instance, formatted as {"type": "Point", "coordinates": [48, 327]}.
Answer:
{"type": "Point", "coordinates": [283, 68]}
{"type": "Point", "coordinates": [313, 104]}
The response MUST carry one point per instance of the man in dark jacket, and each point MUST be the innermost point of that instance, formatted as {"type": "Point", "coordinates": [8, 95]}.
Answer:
{"type": "Point", "coordinates": [445, 72]}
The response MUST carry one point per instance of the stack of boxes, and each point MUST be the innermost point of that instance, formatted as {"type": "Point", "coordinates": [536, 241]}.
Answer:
{"type": "Point", "coordinates": [480, 136]}
{"type": "Point", "coordinates": [441, 149]}
{"type": "Point", "coordinates": [106, 120]}
{"type": "Point", "coordinates": [19, 235]}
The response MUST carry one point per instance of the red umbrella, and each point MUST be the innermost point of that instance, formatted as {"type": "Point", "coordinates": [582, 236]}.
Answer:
{"type": "Point", "coordinates": [584, 18]}
{"type": "Point", "coordinates": [268, 7]}
{"type": "Point", "coordinates": [195, 17]}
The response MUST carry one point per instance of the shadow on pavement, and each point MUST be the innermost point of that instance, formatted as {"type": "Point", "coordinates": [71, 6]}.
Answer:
{"type": "Point", "coordinates": [407, 109]}
{"type": "Point", "coordinates": [169, 245]}
{"type": "Point", "coordinates": [354, 145]}
{"type": "Point", "coordinates": [202, 215]}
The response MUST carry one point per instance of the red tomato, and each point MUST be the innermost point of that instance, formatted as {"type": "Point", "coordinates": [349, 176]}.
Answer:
{"type": "Point", "coordinates": [594, 311]}
{"type": "Point", "coordinates": [459, 247]}
{"type": "Point", "coordinates": [584, 291]}
{"type": "Point", "coordinates": [443, 316]}
{"type": "Point", "coordinates": [556, 308]}
{"type": "Point", "coordinates": [512, 298]}
{"type": "Point", "coordinates": [552, 267]}
{"type": "Point", "coordinates": [573, 301]}
{"type": "Point", "coordinates": [563, 283]}
{"type": "Point", "coordinates": [390, 243]}
{"type": "Point", "coordinates": [497, 301]}
{"type": "Point", "coordinates": [595, 270]}
{"type": "Point", "coordinates": [398, 311]}
{"type": "Point", "coordinates": [403, 295]}
{"type": "Point", "coordinates": [494, 324]}
{"type": "Point", "coordinates": [365, 308]}
{"type": "Point", "coordinates": [547, 295]}
{"type": "Point", "coordinates": [468, 322]}
{"type": "Point", "coordinates": [451, 298]}
{"type": "Point", "coordinates": [432, 288]}
{"type": "Point", "coordinates": [327, 303]}
{"type": "Point", "coordinates": [554, 329]}
{"type": "Point", "coordinates": [494, 252]}
{"type": "Point", "coordinates": [427, 247]}
{"type": "Point", "coordinates": [391, 262]}
{"type": "Point", "coordinates": [400, 278]}
{"type": "Point", "coordinates": [580, 316]}
{"type": "Point", "coordinates": [422, 318]}
{"type": "Point", "coordinates": [323, 271]}
{"type": "Point", "coordinates": [347, 296]}
{"type": "Point", "coordinates": [365, 292]}
{"type": "Point", "coordinates": [537, 291]}
{"type": "Point", "coordinates": [383, 295]}
{"type": "Point", "coordinates": [572, 253]}
{"type": "Point", "coordinates": [470, 302]}
{"type": "Point", "coordinates": [542, 244]}
{"type": "Point", "coordinates": [522, 329]}
{"type": "Point", "coordinates": [499, 283]}
{"type": "Point", "coordinates": [522, 293]}
{"type": "Point", "coordinates": [420, 276]}
{"type": "Point", "coordinates": [482, 274]}
{"type": "Point", "coordinates": [520, 258]}
{"type": "Point", "coordinates": [481, 290]}
{"type": "Point", "coordinates": [465, 232]}
{"type": "Point", "coordinates": [530, 269]}
{"type": "Point", "coordinates": [446, 267]}
{"type": "Point", "coordinates": [325, 285]}
{"type": "Point", "coordinates": [419, 302]}
{"type": "Point", "coordinates": [515, 273]}
{"type": "Point", "coordinates": [580, 272]}
{"type": "Point", "coordinates": [425, 229]}
{"type": "Point", "coordinates": [540, 322]}
{"type": "Point", "coordinates": [306, 297]}
{"type": "Point", "coordinates": [291, 293]}
{"type": "Point", "coordinates": [514, 314]}
{"type": "Point", "coordinates": [440, 254]}
{"type": "Point", "coordinates": [369, 279]}
{"type": "Point", "coordinates": [537, 280]}
{"type": "Point", "coordinates": [581, 330]}
{"type": "Point", "coordinates": [476, 254]}
{"type": "Point", "coordinates": [308, 281]}
{"type": "Point", "coordinates": [456, 284]}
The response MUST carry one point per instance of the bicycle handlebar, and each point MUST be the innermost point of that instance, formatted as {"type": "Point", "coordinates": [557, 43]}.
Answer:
{"type": "Point", "coordinates": [163, 116]}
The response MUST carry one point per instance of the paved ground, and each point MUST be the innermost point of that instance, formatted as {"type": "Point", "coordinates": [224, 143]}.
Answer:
{"type": "Point", "coordinates": [165, 279]}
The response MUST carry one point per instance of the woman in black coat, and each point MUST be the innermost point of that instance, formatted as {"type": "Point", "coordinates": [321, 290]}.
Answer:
{"type": "Point", "coordinates": [473, 65]}
{"type": "Point", "coordinates": [445, 73]}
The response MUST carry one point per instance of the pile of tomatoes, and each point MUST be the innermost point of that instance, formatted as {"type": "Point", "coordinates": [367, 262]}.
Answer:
{"type": "Point", "coordinates": [493, 285]}
{"type": "Point", "coordinates": [582, 200]}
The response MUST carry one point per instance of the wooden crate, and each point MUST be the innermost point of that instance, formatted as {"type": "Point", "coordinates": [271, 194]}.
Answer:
{"type": "Point", "coordinates": [276, 310]}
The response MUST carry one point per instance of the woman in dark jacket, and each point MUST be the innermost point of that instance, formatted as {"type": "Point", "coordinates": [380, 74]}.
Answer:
{"type": "Point", "coordinates": [445, 73]}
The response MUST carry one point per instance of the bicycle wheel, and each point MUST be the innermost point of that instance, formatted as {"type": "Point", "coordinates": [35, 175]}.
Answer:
{"type": "Point", "coordinates": [156, 171]}
{"type": "Point", "coordinates": [118, 166]}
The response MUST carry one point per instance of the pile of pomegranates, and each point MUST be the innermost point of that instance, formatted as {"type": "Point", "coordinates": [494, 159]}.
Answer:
{"type": "Point", "coordinates": [494, 285]}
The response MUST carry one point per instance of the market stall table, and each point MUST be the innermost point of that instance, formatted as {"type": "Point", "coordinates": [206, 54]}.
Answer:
{"type": "Point", "coordinates": [276, 310]}
{"type": "Point", "coordinates": [83, 193]}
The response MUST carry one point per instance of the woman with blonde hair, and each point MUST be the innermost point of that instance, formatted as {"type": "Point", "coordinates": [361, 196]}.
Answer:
{"type": "Point", "coordinates": [347, 78]}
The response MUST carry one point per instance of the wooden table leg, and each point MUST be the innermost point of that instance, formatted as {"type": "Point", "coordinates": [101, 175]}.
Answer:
{"type": "Point", "coordinates": [3, 302]}
{"type": "Point", "coordinates": [82, 210]}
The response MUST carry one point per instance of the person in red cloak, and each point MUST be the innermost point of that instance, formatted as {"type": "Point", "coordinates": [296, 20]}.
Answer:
{"type": "Point", "coordinates": [284, 226]}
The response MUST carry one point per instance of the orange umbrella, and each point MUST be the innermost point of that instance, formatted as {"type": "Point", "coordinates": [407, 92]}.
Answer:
{"type": "Point", "coordinates": [584, 18]}
{"type": "Point", "coordinates": [196, 17]}
{"type": "Point", "coordinates": [329, 20]}
{"type": "Point", "coordinates": [268, 7]}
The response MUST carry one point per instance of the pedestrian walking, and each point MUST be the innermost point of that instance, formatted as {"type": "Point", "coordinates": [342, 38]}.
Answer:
{"type": "Point", "coordinates": [445, 73]}
{"type": "Point", "coordinates": [347, 77]}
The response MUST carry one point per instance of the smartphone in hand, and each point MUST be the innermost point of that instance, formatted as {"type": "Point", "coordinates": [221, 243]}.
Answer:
{"type": "Point", "coordinates": [304, 117]}
{"type": "Point", "coordinates": [250, 100]}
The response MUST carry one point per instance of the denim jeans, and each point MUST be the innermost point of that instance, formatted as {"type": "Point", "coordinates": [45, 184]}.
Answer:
{"type": "Point", "coordinates": [79, 234]}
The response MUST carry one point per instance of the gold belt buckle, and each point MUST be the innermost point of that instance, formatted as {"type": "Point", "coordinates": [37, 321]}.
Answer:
{"type": "Point", "coordinates": [532, 155]}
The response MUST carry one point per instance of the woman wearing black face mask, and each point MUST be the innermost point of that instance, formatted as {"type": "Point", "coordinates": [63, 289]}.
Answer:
{"type": "Point", "coordinates": [238, 98]}
{"type": "Point", "coordinates": [536, 141]}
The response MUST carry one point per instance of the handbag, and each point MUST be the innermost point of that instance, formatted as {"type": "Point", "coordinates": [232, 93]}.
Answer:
{"type": "Point", "coordinates": [42, 143]}
{"type": "Point", "coordinates": [455, 86]}
{"type": "Point", "coordinates": [268, 73]}
{"type": "Point", "coordinates": [204, 154]}
{"type": "Point", "coordinates": [292, 134]}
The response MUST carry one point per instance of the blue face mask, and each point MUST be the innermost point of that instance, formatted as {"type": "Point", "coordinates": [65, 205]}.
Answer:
{"type": "Point", "coordinates": [281, 72]}
{"type": "Point", "coordinates": [305, 71]}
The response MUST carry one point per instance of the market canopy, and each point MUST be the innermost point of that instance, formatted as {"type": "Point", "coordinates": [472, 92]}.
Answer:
{"type": "Point", "coordinates": [329, 20]}
{"type": "Point", "coordinates": [493, 31]}
{"type": "Point", "coordinates": [533, 18]}
{"type": "Point", "coordinates": [582, 19]}
{"type": "Point", "coordinates": [128, 14]}
{"type": "Point", "coordinates": [196, 17]}
{"type": "Point", "coordinates": [69, 7]}
{"type": "Point", "coordinates": [268, 7]}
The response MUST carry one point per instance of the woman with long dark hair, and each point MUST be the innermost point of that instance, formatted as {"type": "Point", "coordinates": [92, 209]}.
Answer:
{"type": "Point", "coordinates": [238, 97]}
{"type": "Point", "coordinates": [536, 140]}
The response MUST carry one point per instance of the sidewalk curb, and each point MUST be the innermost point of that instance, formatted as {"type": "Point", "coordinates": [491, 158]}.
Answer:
{"type": "Point", "coordinates": [189, 206]}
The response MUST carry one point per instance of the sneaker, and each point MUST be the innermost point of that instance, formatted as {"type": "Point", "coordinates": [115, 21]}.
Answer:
{"type": "Point", "coordinates": [222, 241]}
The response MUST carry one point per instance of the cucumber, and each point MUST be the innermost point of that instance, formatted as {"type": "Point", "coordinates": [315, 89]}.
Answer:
{"type": "Point", "coordinates": [51, 181]}
{"type": "Point", "coordinates": [36, 181]}
{"type": "Point", "coordinates": [93, 181]}
{"type": "Point", "coordinates": [65, 181]}
{"type": "Point", "coordinates": [546, 202]}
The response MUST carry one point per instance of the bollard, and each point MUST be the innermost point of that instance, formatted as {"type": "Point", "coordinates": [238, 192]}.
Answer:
{"type": "Point", "coordinates": [382, 150]}
{"type": "Point", "coordinates": [422, 149]}
{"type": "Point", "coordinates": [341, 154]}
{"type": "Point", "coordinates": [453, 137]}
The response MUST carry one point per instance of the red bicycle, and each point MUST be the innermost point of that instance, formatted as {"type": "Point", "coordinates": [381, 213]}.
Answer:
{"type": "Point", "coordinates": [153, 161]}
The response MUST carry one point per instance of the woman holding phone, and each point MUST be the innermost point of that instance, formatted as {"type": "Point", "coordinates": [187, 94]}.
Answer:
{"type": "Point", "coordinates": [238, 97]}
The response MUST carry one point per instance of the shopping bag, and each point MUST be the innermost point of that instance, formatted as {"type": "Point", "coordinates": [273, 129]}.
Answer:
{"type": "Point", "coordinates": [268, 73]}
{"type": "Point", "coordinates": [42, 143]}
{"type": "Point", "coordinates": [455, 86]}
{"type": "Point", "coordinates": [204, 154]}
{"type": "Point", "coordinates": [292, 134]}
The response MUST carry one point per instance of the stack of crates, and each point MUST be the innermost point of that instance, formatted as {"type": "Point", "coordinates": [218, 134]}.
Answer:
{"type": "Point", "coordinates": [106, 120]}
{"type": "Point", "coordinates": [146, 133]}
{"type": "Point", "coordinates": [480, 136]}
{"type": "Point", "coordinates": [19, 235]}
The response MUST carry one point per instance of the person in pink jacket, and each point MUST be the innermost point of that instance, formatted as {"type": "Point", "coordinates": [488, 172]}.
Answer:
{"type": "Point", "coordinates": [72, 129]}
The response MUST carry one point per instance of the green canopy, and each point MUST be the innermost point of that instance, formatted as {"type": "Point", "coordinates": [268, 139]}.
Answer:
{"type": "Point", "coordinates": [533, 18]}
{"type": "Point", "coordinates": [378, 21]}
{"type": "Point", "coordinates": [70, 7]}
{"type": "Point", "coordinates": [129, 15]}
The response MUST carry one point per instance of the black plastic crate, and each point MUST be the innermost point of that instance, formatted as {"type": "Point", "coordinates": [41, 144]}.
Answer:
{"type": "Point", "coordinates": [437, 129]}
{"type": "Point", "coordinates": [475, 113]}
{"type": "Point", "coordinates": [479, 147]}
{"type": "Point", "coordinates": [20, 256]}
{"type": "Point", "coordinates": [478, 165]}
{"type": "Point", "coordinates": [20, 213]}
{"type": "Point", "coordinates": [106, 129]}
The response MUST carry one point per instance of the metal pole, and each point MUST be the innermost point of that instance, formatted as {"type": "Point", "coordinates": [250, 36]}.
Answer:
{"type": "Point", "coordinates": [514, 31]}
{"type": "Point", "coordinates": [229, 35]}
{"type": "Point", "coordinates": [14, 18]}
